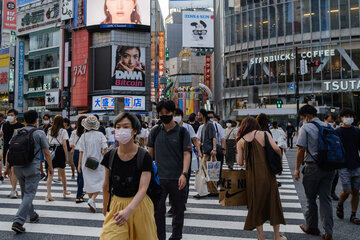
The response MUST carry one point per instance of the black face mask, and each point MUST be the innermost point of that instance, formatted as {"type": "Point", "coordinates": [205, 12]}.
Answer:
{"type": "Point", "coordinates": [166, 118]}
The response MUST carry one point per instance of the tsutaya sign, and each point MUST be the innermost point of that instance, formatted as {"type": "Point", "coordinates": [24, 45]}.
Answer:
{"type": "Point", "coordinates": [291, 56]}
{"type": "Point", "coordinates": [342, 85]}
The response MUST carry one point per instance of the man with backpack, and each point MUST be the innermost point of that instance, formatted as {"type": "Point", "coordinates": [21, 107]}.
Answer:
{"type": "Point", "coordinates": [7, 131]}
{"type": "Point", "coordinates": [316, 180]}
{"type": "Point", "coordinates": [350, 173]}
{"type": "Point", "coordinates": [169, 145]}
{"type": "Point", "coordinates": [24, 157]}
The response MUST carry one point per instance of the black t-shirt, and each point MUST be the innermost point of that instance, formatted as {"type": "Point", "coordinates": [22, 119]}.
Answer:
{"type": "Point", "coordinates": [350, 138]}
{"type": "Point", "coordinates": [290, 130]}
{"type": "Point", "coordinates": [125, 175]}
{"type": "Point", "coordinates": [195, 126]}
{"type": "Point", "coordinates": [102, 130]}
{"type": "Point", "coordinates": [8, 131]}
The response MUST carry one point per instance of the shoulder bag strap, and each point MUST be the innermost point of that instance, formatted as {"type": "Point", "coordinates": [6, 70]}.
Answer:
{"type": "Point", "coordinates": [111, 164]}
{"type": "Point", "coordinates": [140, 158]}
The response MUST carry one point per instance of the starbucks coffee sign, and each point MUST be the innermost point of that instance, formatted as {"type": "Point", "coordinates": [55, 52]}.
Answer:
{"type": "Point", "coordinates": [291, 56]}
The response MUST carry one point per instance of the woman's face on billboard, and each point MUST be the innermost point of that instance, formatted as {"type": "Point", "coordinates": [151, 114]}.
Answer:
{"type": "Point", "coordinates": [120, 10]}
{"type": "Point", "coordinates": [130, 58]}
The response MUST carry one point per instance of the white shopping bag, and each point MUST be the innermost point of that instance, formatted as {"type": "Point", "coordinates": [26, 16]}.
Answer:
{"type": "Point", "coordinates": [213, 170]}
{"type": "Point", "coordinates": [200, 182]}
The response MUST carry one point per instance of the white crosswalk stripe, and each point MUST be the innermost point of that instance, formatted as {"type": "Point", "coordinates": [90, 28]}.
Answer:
{"type": "Point", "coordinates": [204, 219]}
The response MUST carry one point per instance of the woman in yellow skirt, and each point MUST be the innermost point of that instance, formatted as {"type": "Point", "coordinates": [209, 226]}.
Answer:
{"type": "Point", "coordinates": [130, 215]}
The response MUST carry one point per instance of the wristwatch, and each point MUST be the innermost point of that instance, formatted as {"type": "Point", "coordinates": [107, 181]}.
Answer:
{"type": "Point", "coordinates": [185, 174]}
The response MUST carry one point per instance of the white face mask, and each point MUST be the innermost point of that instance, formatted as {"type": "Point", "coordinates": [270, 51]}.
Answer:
{"type": "Point", "coordinates": [73, 125]}
{"type": "Point", "coordinates": [348, 121]}
{"type": "Point", "coordinates": [123, 135]}
{"type": "Point", "coordinates": [46, 122]}
{"type": "Point", "coordinates": [178, 119]}
{"type": "Point", "coordinates": [212, 119]}
{"type": "Point", "coordinates": [228, 124]}
{"type": "Point", "coordinates": [10, 118]}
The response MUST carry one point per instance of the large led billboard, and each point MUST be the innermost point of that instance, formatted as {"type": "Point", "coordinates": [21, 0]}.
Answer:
{"type": "Point", "coordinates": [183, 4]}
{"type": "Point", "coordinates": [198, 29]}
{"type": "Point", "coordinates": [118, 12]}
{"type": "Point", "coordinates": [128, 68]}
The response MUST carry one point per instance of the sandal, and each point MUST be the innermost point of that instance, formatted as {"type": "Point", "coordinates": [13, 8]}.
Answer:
{"type": "Point", "coordinates": [340, 211]}
{"type": "Point", "coordinates": [66, 194]}
{"type": "Point", "coordinates": [283, 237]}
{"type": "Point", "coordinates": [311, 231]}
{"type": "Point", "coordinates": [355, 220]}
{"type": "Point", "coordinates": [79, 200]}
{"type": "Point", "coordinates": [49, 199]}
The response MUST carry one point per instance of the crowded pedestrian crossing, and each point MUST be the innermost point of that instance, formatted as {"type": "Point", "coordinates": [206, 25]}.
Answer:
{"type": "Point", "coordinates": [204, 218]}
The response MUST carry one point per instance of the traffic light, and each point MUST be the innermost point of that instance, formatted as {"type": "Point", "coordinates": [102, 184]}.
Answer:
{"type": "Point", "coordinates": [314, 64]}
{"type": "Point", "coordinates": [279, 103]}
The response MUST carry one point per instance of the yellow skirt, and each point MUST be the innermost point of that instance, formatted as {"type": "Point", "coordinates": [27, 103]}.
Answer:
{"type": "Point", "coordinates": [140, 226]}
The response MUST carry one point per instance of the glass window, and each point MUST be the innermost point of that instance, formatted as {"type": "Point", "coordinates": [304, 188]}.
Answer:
{"type": "Point", "coordinates": [334, 14]}
{"type": "Point", "coordinates": [251, 25]}
{"type": "Point", "coordinates": [336, 66]}
{"type": "Point", "coordinates": [232, 30]}
{"type": "Point", "coordinates": [297, 17]}
{"type": "Point", "coordinates": [344, 14]}
{"type": "Point", "coordinates": [228, 30]}
{"type": "Point", "coordinates": [44, 40]}
{"type": "Point", "coordinates": [288, 18]}
{"type": "Point", "coordinates": [244, 23]}
{"type": "Point", "coordinates": [237, 6]}
{"type": "Point", "coordinates": [280, 12]}
{"type": "Point", "coordinates": [258, 23]}
{"type": "Point", "coordinates": [354, 13]}
{"type": "Point", "coordinates": [325, 11]}
{"type": "Point", "coordinates": [45, 82]}
{"type": "Point", "coordinates": [44, 61]}
{"type": "Point", "coordinates": [272, 21]}
{"type": "Point", "coordinates": [356, 58]}
{"type": "Point", "coordinates": [315, 13]}
{"type": "Point", "coordinates": [238, 28]}
{"type": "Point", "coordinates": [306, 16]}
{"type": "Point", "coordinates": [265, 23]}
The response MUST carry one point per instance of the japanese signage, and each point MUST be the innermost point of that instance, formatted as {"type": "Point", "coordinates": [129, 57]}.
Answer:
{"type": "Point", "coordinates": [51, 98]}
{"type": "Point", "coordinates": [118, 13]}
{"type": "Point", "coordinates": [207, 73]}
{"type": "Point", "coordinates": [67, 11]}
{"type": "Point", "coordinates": [3, 77]}
{"type": "Point", "coordinates": [129, 68]}
{"type": "Point", "coordinates": [161, 53]}
{"type": "Point", "coordinates": [4, 69]}
{"type": "Point", "coordinates": [153, 64]}
{"type": "Point", "coordinates": [21, 73]}
{"type": "Point", "coordinates": [80, 55]}
{"type": "Point", "coordinates": [9, 13]}
{"type": "Point", "coordinates": [291, 56]}
{"type": "Point", "coordinates": [39, 18]}
{"type": "Point", "coordinates": [4, 57]}
{"type": "Point", "coordinates": [198, 29]}
{"type": "Point", "coordinates": [79, 13]}
{"type": "Point", "coordinates": [108, 103]}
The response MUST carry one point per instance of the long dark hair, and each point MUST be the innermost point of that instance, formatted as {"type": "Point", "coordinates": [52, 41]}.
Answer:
{"type": "Point", "coordinates": [57, 125]}
{"type": "Point", "coordinates": [79, 128]}
{"type": "Point", "coordinates": [134, 17]}
{"type": "Point", "coordinates": [247, 125]}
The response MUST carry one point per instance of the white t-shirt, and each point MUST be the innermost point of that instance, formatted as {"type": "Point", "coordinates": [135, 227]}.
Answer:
{"type": "Point", "coordinates": [63, 135]}
{"type": "Point", "coordinates": [143, 134]}
{"type": "Point", "coordinates": [110, 136]}
{"type": "Point", "coordinates": [74, 140]}
{"type": "Point", "coordinates": [190, 129]}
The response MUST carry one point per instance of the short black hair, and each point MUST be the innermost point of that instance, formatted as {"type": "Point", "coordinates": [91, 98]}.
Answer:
{"type": "Point", "coordinates": [178, 111]}
{"type": "Point", "coordinates": [14, 111]}
{"type": "Point", "coordinates": [31, 116]}
{"type": "Point", "coordinates": [330, 115]}
{"type": "Point", "coordinates": [204, 113]}
{"type": "Point", "coordinates": [192, 117]}
{"type": "Point", "coordinates": [307, 109]}
{"type": "Point", "coordinates": [135, 123]}
{"type": "Point", "coordinates": [275, 124]}
{"type": "Point", "coordinates": [211, 112]}
{"type": "Point", "coordinates": [67, 121]}
{"type": "Point", "coordinates": [46, 115]}
{"type": "Point", "coordinates": [140, 119]}
{"type": "Point", "coordinates": [217, 117]}
{"type": "Point", "coordinates": [347, 111]}
{"type": "Point", "coordinates": [167, 104]}
{"type": "Point", "coordinates": [111, 124]}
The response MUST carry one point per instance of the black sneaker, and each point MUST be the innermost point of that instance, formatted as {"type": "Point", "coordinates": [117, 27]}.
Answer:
{"type": "Point", "coordinates": [197, 196]}
{"type": "Point", "coordinates": [334, 197]}
{"type": "Point", "coordinates": [1, 179]}
{"type": "Point", "coordinates": [35, 219]}
{"type": "Point", "coordinates": [42, 176]}
{"type": "Point", "coordinates": [170, 212]}
{"type": "Point", "coordinates": [45, 179]}
{"type": "Point", "coordinates": [18, 228]}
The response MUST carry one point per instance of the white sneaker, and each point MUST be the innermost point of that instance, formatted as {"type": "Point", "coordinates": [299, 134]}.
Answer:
{"type": "Point", "coordinates": [92, 205]}
{"type": "Point", "coordinates": [13, 194]}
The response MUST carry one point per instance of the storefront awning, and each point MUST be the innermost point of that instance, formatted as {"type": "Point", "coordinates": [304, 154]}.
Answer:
{"type": "Point", "coordinates": [34, 94]}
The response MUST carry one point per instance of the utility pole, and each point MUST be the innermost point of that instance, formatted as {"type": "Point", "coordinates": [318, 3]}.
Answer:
{"type": "Point", "coordinates": [297, 95]}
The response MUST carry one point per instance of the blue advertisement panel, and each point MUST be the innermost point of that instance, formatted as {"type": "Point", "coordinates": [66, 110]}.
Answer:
{"type": "Point", "coordinates": [21, 73]}
{"type": "Point", "coordinates": [24, 2]}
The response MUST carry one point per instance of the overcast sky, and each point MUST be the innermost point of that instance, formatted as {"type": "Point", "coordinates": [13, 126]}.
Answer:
{"type": "Point", "coordinates": [164, 4]}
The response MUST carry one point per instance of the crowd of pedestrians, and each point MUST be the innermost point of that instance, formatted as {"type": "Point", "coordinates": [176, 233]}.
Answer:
{"type": "Point", "coordinates": [139, 165]}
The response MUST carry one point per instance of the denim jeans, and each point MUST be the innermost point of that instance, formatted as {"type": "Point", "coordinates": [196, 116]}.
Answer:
{"type": "Point", "coordinates": [80, 180]}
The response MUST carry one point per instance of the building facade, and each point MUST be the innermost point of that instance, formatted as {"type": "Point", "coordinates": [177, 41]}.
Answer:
{"type": "Point", "coordinates": [259, 49]}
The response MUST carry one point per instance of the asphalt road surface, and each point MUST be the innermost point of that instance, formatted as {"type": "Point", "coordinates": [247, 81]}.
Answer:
{"type": "Point", "coordinates": [204, 219]}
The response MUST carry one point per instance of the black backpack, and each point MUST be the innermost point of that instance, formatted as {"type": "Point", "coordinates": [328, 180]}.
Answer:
{"type": "Point", "coordinates": [21, 149]}
{"type": "Point", "coordinates": [154, 190]}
